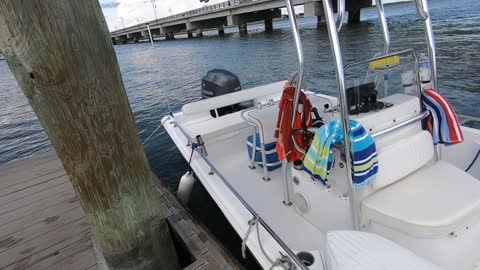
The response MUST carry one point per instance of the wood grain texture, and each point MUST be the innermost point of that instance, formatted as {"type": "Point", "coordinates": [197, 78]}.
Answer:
{"type": "Point", "coordinates": [52, 233]}
{"type": "Point", "coordinates": [62, 56]}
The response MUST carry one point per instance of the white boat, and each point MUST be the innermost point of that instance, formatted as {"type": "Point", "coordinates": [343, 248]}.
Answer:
{"type": "Point", "coordinates": [421, 211]}
{"type": "Point", "coordinates": [2, 57]}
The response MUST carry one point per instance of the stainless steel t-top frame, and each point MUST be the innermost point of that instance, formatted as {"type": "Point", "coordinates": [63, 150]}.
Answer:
{"type": "Point", "coordinates": [338, 61]}
{"type": "Point", "coordinates": [383, 21]}
{"type": "Point", "coordinates": [422, 9]}
{"type": "Point", "coordinates": [301, 62]}
{"type": "Point", "coordinates": [423, 12]}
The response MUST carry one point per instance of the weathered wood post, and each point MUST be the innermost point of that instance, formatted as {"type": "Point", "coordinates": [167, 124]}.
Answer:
{"type": "Point", "coordinates": [62, 57]}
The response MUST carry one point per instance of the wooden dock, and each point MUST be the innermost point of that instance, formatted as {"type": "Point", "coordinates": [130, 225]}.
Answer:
{"type": "Point", "coordinates": [42, 225]}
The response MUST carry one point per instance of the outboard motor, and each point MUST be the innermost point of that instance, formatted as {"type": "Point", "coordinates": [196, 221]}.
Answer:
{"type": "Point", "coordinates": [219, 82]}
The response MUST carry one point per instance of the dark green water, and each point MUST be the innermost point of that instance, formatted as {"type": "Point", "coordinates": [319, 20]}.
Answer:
{"type": "Point", "coordinates": [257, 59]}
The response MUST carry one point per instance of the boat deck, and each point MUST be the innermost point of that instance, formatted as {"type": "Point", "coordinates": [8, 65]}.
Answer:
{"type": "Point", "coordinates": [42, 225]}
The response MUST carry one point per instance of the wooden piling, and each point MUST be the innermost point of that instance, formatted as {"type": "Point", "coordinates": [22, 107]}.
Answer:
{"type": "Point", "coordinates": [61, 54]}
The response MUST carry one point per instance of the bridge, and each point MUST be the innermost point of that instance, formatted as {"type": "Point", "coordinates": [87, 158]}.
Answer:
{"type": "Point", "coordinates": [226, 14]}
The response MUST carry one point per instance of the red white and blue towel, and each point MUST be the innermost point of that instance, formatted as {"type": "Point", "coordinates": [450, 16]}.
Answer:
{"type": "Point", "coordinates": [443, 121]}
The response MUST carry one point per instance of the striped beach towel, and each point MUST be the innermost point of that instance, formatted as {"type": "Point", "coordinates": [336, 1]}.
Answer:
{"type": "Point", "coordinates": [320, 158]}
{"type": "Point", "coordinates": [443, 121]}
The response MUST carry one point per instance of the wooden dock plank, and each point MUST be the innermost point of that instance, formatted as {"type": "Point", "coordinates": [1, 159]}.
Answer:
{"type": "Point", "coordinates": [24, 192]}
{"type": "Point", "coordinates": [30, 171]}
{"type": "Point", "coordinates": [48, 225]}
{"type": "Point", "coordinates": [17, 185]}
{"type": "Point", "coordinates": [29, 162]}
{"type": "Point", "coordinates": [83, 259]}
{"type": "Point", "coordinates": [35, 245]}
{"type": "Point", "coordinates": [27, 177]}
{"type": "Point", "coordinates": [53, 254]}
{"type": "Point", "coordinates": [38, 206]}
{"type": "Point", "coordinates": [36, 197]}
{"type": "Point", "coordinates": [42, 225]}
{"type": "Point", "coordinates": [48, 214]}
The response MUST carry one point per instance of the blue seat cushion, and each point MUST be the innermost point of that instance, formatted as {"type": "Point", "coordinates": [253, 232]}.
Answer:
{"type": "Point", "coordinates": [271, 153]}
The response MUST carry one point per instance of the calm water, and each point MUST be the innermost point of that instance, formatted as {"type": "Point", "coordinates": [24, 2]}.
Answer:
{"type": "Point", "coordinates": [257, 59]}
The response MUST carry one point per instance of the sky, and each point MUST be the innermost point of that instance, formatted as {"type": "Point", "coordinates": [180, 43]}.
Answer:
{"type": "Point", "coordinates": [139, 11]}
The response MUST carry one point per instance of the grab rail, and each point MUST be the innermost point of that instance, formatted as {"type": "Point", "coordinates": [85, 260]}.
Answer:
{"type": "Point", "coordinates": [415, 119]}
{"type": "Point", "coordinates": [250, 209]}
{"type": "Point", "coordinates": [282, 244]}
{"type": "Point", "coordinates": [337, 53]}
{"type": "Point", "coordinates": [258, 127]}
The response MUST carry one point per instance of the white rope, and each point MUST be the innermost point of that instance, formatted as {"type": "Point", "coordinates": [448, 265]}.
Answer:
{"type": "Point", "coordinates": [149, 136]}
{"type": "Point", "coordinates": [283, 261]}
{"type": "Point", "coordinates": [251, 224]}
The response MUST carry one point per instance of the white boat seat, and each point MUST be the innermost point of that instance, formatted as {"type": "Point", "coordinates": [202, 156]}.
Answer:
{"type": "Point", "coordinates": [353, 250]}
{"type": "Point", "coordinates": [433, 201]}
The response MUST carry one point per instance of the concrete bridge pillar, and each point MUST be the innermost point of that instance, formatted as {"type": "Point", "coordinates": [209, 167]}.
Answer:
{"type": "Point", "coordinates": [221, 31]}
{"type": "Point", "coordinates": [199, 33]}
{"type": "Point", "coordinates": [242, 29]}
{"type": "Point", "coordinates": [189, 34]}
{"type": "Point", "coordinates": [354, 15]}
{"type": "Point", "coordinates": [353, 7]}
{"type": "Point", "coordinates": [169, 36]}
{"type": "Point", "coordinates": [268, 25]}
{"type": "Point", "coordinates": [321, 21]}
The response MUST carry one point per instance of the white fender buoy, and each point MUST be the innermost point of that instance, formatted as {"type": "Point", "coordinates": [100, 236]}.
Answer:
{"type": "Point", "coordinates": [185, 187]}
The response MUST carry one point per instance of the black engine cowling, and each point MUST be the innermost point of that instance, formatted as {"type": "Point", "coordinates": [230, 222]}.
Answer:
{"type": "Point", "coordinates": [219, 82]}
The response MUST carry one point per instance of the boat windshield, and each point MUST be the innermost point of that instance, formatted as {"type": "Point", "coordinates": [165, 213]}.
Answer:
{"type": "Point", "coordinates": [383, 76]}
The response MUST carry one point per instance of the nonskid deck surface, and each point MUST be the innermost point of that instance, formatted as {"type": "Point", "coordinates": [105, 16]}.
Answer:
{"type": "Point", "coordinates": [230, 157]}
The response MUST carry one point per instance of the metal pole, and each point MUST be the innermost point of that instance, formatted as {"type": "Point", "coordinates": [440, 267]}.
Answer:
{"type": "Point", "coordinates": [340, 14]}
{"type": "Point", "coordinates": [423, 12]}
{"type": "Point", "coordinates": [154, 9]}
{"type": "Point", "coordinates": [422, 8]}
{"type": "Point", "coordinates": [383, 21]}
{"type": "Point", "coordinates": [386, 36]}
{"type": "Point", "coordinates": [286, 166]}
{"type": "Point", "coordinates": [301, 64]}
{"type": "Point", "coordinates": [337, 57]}
{"type": "Point", "coordinates": [150, 34]}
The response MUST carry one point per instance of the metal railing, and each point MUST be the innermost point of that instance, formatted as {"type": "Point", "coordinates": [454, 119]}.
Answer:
{"type": "Point", "coordinates": [383, 22]}
{"type": "Point", "coordinates": [250, 209]}
{"type": "Point", "coordinates": [422, 9]}
{"type": "Point", "coordinates": [340, 76]}
{"type": "Point", "coordinates": [257, 124]}
{"type": "Point", "coordinates": [301, 63]}
{"type": "Point", "coordinates": [340, 14]}
{"type": "Point", "coordinates": [413, 120]}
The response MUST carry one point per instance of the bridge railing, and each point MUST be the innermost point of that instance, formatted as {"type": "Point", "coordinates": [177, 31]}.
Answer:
{"type": "Point", "coordinates": [190, 13]}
